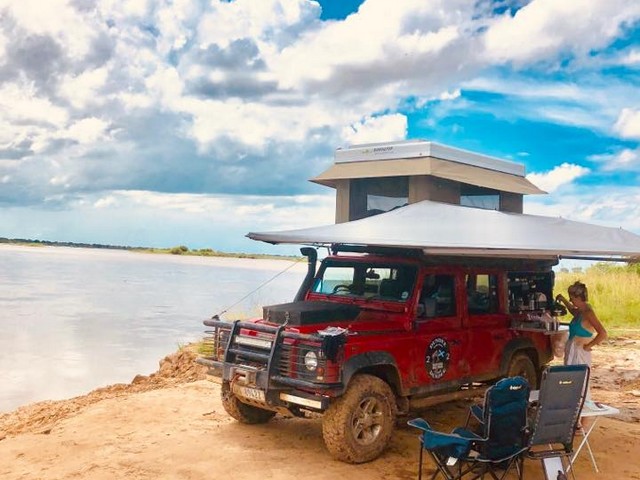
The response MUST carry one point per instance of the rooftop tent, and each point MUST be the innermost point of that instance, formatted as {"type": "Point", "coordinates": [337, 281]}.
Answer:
{"type": "Point", "coordinates": [419, 157]}
{"type": "Point", "coordinates": [445, 229]}
{"type": "Point", "coordinates": [469, 174]}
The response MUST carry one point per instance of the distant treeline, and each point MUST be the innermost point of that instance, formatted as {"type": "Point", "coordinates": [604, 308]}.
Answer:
{"type": "Point", "coordinates": [27, 241]}
{"type": "Point", "coordinates": [209, 252]}
{"type": "Point", "coordinates": [178, 250]}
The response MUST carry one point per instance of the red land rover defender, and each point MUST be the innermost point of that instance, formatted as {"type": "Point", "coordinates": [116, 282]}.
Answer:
{"type": "Point", "coordinates": [378, 332]}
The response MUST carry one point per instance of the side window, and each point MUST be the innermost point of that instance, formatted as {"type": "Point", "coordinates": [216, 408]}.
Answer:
{"type": "Point", "coordinates": [438, 297]}
{"type": "Point", "coordinates": [482, 293]}
{"type": "Point", "coordinates": [395, 283]}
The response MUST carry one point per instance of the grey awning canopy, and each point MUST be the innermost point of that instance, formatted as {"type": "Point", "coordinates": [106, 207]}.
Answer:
{"type": "Point", "coordinates": [444, 229]}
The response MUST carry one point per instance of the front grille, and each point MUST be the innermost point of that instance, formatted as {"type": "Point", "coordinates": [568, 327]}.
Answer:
{"type": "Point", "coordinates": [285, 361]}
{"type": "Point", "coordinates": [252, 345]}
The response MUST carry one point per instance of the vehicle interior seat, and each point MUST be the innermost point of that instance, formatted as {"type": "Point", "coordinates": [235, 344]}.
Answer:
{"type": "Point", "coordinates": [390, 288]}
{"type": "Point", "coordinates": [430, 307]}
{"type": "Point", "coordinates": [444, 300]}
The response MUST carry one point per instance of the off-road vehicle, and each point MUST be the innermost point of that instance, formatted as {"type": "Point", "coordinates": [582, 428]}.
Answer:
{"type": "Point", "coordinates": [377, 332]}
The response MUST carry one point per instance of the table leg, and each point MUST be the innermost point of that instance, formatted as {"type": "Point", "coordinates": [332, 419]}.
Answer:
{"type": "Point", "coordinates": [585, 441]}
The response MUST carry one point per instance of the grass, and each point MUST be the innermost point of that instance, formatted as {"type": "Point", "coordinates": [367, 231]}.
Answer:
{"type": "Point", "coordinates": [614, 293]}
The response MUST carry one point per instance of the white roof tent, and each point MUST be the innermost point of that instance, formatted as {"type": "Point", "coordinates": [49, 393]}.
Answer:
{"type": "Point", "coordinates": [419, 157]}
{"type": "Point", "coordinates": [444, 229]}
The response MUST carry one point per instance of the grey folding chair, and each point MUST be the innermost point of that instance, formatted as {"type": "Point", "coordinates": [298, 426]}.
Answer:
{"type": "Point", "coordinates": [557, 412]}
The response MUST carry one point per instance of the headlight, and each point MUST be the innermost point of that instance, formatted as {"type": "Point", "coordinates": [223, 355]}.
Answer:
{"type": "Point", "coordinates": [311, 361]}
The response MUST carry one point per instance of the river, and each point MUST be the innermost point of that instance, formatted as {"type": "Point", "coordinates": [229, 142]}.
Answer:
{"type": "Point", "coordinates": [73, 319]}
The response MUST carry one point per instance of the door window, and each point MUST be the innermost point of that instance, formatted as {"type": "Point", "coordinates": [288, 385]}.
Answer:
{"type": "Point", "coordinates": [437, 298]}
{"type": "Point", "coordinates": [482, 293]}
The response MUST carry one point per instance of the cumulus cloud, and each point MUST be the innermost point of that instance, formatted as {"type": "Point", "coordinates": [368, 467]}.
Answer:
{"type": "Point", "coordinates": [87, 130]}
{"type": "Point", "coordinates": [628, 123]}
{"type": "Point", "coordinates": [630, 58]}
{"type": "Point", "coordinates": [187, 97]}
{"type": "Point", "coordinates": [561, 175]}
{"type": "Point", "coordinates": [543, 28]}
{"type": "Point", "coordinates": [376, 129]}
{"type": "Point", "coordinates": [236, 212]}
{"type": "Point", "coordinates": [83, 89]}
{"type": "Point", "coordinates": [604, 205]}
{"type": "Point", "coordinates": [626, 159]}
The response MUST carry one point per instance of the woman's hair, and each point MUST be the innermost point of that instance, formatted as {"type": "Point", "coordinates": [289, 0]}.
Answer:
{"type": "Point", "coordinates": [579, 289]}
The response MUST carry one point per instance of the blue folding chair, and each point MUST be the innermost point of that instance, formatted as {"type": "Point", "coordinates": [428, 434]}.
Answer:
{"type": "Point", "coordinates": [498, 446]}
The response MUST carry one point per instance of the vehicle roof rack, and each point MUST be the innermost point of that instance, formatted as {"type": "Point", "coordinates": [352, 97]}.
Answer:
{"type": "Point", "coordinates": [375, 249]}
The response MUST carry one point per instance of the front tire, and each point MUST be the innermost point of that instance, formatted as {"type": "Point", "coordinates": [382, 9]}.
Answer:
{"type": "Point", "coordinates": [357, 427]}
{"type": "Point", "coordinates": [521, 365]}
{"type": "Point", "coordinates": [241, 411]}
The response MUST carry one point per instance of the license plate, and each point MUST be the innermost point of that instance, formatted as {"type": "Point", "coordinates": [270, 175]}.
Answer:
{"type": "Point", "coordinates": [249, 393]}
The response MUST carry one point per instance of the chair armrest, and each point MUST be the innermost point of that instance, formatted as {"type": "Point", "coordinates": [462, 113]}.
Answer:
{"type": "Point", "coordinates": [468, 434]}
{"type": "Point", "coordinates": [420, 423]}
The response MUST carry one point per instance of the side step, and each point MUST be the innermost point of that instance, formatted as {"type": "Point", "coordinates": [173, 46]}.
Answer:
{"type": "Point", "coordinates": [424, 402]}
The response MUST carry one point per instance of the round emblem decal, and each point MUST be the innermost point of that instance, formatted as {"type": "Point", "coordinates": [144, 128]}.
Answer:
{"type": "Point", "coordinates": [437, 358]}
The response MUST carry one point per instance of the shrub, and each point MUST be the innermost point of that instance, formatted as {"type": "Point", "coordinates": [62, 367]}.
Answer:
{"type": "Point", "coordinates": [179, 250]}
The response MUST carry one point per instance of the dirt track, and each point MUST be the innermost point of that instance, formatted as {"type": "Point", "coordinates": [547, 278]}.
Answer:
{"type": "Point", "coordinates": [159, 427]}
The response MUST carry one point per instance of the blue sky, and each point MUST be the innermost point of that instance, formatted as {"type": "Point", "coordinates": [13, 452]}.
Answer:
{"type": "Point", "coordinates": [193, 122]}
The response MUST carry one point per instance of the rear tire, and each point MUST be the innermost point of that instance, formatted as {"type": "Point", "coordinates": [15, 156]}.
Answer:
{"type": "Point", "coordinates": [357, 427]}
{"type": "Point", "coordinates": [241, 411]}
{"type": "Point", "coordinates": [521, 365]}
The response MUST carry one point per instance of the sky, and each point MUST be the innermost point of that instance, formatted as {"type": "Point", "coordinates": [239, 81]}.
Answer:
{"type": "Point", "coordinates": [193, 122]}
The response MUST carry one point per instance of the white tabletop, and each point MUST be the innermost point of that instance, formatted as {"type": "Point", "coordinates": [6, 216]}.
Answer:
{"type": "Point", "coordinates": [595, 409]}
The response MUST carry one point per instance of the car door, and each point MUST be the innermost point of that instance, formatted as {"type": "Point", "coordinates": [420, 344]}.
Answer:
{"type": "Point", "coordinates": [485, 322]}
{"type": "Point", "coordinates": [440, 344]}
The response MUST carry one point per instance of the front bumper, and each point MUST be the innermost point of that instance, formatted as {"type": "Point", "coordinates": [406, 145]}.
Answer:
{"type": "Point", "coordinates": [256, 388]}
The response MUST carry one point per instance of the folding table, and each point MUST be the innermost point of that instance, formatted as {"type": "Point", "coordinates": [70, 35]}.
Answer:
{"type": "Point", "coordinates": [595, 411]}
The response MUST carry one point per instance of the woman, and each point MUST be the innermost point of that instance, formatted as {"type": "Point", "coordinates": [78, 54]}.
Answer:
{"type": "Point", "coordinates": [585, 330]}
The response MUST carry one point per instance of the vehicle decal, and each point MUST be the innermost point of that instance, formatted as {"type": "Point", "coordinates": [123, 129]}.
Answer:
{"type": "Point", "coordinates": [437, 358]}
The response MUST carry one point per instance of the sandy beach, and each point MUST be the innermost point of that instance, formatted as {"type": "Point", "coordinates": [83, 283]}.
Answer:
{"type": "Point", "coordinates": [171, 425]}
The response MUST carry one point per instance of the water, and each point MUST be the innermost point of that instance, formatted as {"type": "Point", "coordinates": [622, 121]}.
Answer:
{"type": "Point", "coordinates": [74, 319]}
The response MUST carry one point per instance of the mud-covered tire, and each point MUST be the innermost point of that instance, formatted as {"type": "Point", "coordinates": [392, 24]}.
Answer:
{"type": "Point", "coordinates": [357, 427]}
{"type": "Point", "coordinates": [241, 411]}
{"type": "Point", "coordinates": [522, 365]}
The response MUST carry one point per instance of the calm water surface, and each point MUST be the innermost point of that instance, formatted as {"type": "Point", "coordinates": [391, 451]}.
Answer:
{"type": "Point", "coordinates": [74, 319]}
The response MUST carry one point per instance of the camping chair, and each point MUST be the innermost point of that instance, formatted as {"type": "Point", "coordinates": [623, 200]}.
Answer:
{"type": "Point", "coordinates": [562, 393]}
{"type": "Point", "coordinates": [497, 447]}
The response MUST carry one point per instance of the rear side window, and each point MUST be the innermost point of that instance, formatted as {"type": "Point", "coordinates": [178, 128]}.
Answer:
{"type": "Point", "coordinates": [482, 293]}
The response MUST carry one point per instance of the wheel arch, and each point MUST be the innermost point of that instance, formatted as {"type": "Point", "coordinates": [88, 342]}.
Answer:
{"type": "Point", "coordinates": [379, 364]}
{"type": "Point", "coordinates": [515, 346]}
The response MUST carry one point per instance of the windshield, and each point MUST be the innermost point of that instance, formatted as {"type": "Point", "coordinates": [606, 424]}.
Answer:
{"type": "Point", "coordinates": [368, 281]}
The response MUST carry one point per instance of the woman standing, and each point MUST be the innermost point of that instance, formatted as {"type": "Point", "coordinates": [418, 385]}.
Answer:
{"type": "Point", "coordinates": [585, 330]}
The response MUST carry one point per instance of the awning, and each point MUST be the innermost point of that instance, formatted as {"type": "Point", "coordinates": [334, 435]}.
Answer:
{"type": "Point", "coordinates": [444, 229]}
{"type": "Point", "coordinates": [459, 172]}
